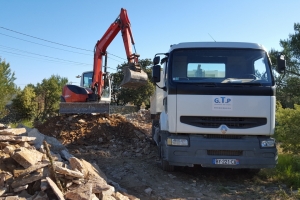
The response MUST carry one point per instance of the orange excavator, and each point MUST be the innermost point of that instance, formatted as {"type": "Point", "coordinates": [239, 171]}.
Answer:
{"type": "Point", "coordinates": [94, 93]}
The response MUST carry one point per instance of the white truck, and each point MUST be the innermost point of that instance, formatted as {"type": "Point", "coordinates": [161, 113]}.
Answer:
{"type": "Point", "coordinates": [214, 105]}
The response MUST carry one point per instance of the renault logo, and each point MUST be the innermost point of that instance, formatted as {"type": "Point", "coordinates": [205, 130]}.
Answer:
{"type": "Point", "coordinates": [223, 128]}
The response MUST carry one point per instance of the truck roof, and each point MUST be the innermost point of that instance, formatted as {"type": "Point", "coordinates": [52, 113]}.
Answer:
{"type": "Point", "coordinates": [245, 45]}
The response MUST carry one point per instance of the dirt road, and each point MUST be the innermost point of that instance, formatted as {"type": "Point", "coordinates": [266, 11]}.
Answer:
{"type": "Point", "coordinates": [121, 146]}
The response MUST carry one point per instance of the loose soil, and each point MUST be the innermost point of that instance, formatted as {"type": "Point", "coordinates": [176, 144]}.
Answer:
{"type": "Point", "coordinates": [122, 147]}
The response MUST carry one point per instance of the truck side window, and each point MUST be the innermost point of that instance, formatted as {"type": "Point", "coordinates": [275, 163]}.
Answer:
{"type": "Point", "coordinates": [260, 69]}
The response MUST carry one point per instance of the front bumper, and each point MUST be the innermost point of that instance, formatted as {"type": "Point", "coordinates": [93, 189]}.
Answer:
{"type": "Point", "coordinates": [202, 151]}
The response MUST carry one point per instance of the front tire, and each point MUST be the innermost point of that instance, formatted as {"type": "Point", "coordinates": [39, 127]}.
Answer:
{"type": "Point", "coordinates": [165, 164]}
{"type": "Point", "coordinates": [155, 125]}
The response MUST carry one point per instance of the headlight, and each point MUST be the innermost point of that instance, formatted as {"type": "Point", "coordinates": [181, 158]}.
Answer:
{"type": "Point", "coordinates": [267, 143]}
{"type": "Point", "coordinates": [177, 142]}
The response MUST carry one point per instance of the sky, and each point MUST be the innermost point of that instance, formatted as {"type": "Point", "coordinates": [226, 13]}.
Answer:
{"type": "Point", "coordinates": [36, 36]}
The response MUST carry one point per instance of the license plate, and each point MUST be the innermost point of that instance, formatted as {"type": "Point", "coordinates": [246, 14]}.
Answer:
{"type": "Point", "coordinates": [226, 161]}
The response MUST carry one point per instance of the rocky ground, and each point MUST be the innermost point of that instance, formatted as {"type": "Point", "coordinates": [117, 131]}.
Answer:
{"type": "Point", "coordinates": [122, 148]}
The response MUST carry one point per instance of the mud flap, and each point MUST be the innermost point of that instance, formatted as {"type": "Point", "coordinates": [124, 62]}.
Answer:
{"type": "Point", "coordinates": [133, 79]}
{"type": "Point", "coordinates": [83, 108]}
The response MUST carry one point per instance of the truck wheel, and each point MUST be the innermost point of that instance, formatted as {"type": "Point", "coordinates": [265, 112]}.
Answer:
{"type": "Point", "coordinates": [165, 164]}
{"type": "Point", "coordinates": [155, 124]}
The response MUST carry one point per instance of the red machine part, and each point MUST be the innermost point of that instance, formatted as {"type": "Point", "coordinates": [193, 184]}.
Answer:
{"type": "Point", "coordinates": [122, 24]}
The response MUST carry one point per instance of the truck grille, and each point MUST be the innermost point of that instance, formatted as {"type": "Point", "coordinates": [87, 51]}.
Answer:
{"type": "Point", "coordinates": [224, 152]}
{"type": "Point", "coordinates": [230, 122]}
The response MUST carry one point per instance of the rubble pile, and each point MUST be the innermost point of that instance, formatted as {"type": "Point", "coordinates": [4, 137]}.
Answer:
{"type": "Point", "coordinates": [34, 166]}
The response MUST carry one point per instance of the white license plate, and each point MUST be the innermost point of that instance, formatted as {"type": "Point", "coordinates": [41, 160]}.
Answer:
{"type": "Point", "coordinates": [226, 161]}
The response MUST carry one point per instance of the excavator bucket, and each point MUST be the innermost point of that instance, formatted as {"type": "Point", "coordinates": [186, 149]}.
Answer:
{"type": "Point", "coordinates": [133, 79]}
{"type": "Point", "coordinates": [83, 108]}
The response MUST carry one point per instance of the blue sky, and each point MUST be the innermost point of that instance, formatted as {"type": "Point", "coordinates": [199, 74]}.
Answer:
{"type": "Point", "coordinates": [155, 26]}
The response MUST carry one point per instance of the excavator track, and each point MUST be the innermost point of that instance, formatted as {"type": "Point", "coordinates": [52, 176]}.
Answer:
{"type": "Point", "coordinates": [83, 108]}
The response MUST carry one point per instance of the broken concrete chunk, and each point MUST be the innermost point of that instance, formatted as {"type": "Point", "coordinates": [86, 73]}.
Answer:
{"type": "Point", "coordinates": [39, 138]}
{"type": "Point", "coordinates": [13, 131]}
{"type": "Point", "coordinates": [84, 192]}
{"type": "Point", "coordinates": [55, 189]}
{"type": "Point", "coordinates": [27, 179]}
{"type": "Point", "coordinates": [26, 157]}
{"type": "Point", "coordinates": [69, 172]}
{"type": "Point", "coordinates": [20, 188]}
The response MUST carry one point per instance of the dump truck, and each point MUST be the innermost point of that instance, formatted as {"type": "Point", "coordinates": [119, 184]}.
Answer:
{"type": "Point", "coordinates": [214, 105]}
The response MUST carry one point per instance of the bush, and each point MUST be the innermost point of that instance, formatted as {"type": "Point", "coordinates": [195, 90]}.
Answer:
{"type": "Point", "coordinates": [287, 130]}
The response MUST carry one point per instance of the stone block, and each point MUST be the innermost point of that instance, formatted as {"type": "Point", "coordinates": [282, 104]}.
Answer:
{"type": "Point", "coordinates": [66, 171]}
{"type": "Point", "coordinates": [27, 179]}
{"type": "Point", "coordinates": [26, 157]}
{"type": "Point", "coordinates": [55, 189]}
{"type": "Point", "coordinates": [83, 192]}
{"type": "Point", "coordinates": [13, 131]}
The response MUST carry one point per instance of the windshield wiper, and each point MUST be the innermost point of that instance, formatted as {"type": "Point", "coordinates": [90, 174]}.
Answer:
{"type": "Point", "coordinates": [244, 84]}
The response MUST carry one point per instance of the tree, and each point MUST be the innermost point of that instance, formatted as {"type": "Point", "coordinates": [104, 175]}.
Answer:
{"type": "Point", "coordinates": [122, 96]}
{"type": "Point", "coordinates": [48, 95]}
{"type": "Point", "coordinates": [25, 103]}
{"type": "Point", "coordinates": [7, 85]}
{"type": "Point", "coordinates": [289, 83]}
{"type": "Point", "coordinates": [40, 101]}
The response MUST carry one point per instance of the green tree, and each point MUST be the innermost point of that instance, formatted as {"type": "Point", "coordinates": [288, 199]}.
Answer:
{"type": "Point", "coordinates": [122, 96]}
{"type": "Point", "coordinates": [288, 84]}
{"type": "Point", "coordinates": [7, 85]}
{"type": "Point", "coordinates": [48, 95]}
{"type": "Point", "coordinates": [25, 103]}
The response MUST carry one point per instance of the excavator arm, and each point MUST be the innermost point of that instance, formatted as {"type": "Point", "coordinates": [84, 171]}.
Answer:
{"type": "Point", "coordinates": [134, 77]}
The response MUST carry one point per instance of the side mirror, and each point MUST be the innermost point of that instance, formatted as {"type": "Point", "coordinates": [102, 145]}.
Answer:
{"type": "Point", "coordinates": [281, 64]}
{"type": "Point", "coordinates": [156, 73]}
{"type": "Point", "coordinates": [156, 60]}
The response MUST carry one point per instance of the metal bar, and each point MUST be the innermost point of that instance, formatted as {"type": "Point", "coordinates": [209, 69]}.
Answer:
{"type": "Point", "coordinates": [83, 108]}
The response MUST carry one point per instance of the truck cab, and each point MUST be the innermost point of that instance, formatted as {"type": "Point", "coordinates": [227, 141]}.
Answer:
{"type": "Point", "coordinates": [214, 106]}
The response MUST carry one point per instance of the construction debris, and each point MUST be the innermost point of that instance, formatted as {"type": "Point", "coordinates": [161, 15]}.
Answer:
{"type": "Point", "coordinates": [25, 169]}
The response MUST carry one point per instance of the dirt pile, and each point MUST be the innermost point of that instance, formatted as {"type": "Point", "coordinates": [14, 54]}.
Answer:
{"type": "Point", "coordinates": [123, 135]}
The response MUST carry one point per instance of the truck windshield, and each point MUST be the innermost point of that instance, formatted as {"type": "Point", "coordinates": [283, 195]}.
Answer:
{"type": "Point", "coordinates": [221, 66]}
